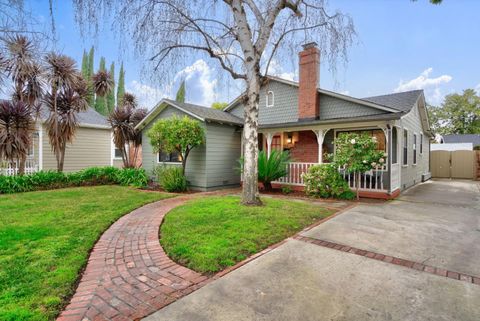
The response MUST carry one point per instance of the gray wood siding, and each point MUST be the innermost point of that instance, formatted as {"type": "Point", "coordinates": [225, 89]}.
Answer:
{"type": "Point", "coordinates": [195, 170]}
{"type": "Point", "coordinates": [412, 174]}
{"type": "Point", "coordinates": [91, 147]}
{"type": "Point", "coordinates": [223, 152]}
{"type": "Point", "coordinates": [284, 110]}
{"type": "Point", "coordinates": [334, 108]}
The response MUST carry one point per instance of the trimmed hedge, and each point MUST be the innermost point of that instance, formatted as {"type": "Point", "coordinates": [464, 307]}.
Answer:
{"type": "Point", "coordinates": [325, 181]}
{"type": "Point", "coordinates": [44, 180]}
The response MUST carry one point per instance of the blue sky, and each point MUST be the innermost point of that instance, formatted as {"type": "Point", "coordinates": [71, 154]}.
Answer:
{"type": "Point", "coordinates": [401, 45]}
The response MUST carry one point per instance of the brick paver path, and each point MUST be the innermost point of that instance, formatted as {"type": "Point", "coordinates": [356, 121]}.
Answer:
{"type": "Point", "coordinates": [128, 275]}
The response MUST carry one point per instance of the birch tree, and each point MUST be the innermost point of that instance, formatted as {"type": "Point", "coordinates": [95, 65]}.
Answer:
{"type": "Point", "coordinates": [241, 37]}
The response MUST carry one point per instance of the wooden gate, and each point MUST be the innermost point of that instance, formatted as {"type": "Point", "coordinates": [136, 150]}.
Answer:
{"type": "Point", "coordinates": [454, 164]}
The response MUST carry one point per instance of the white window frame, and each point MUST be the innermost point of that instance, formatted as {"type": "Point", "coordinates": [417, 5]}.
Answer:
{"type": "Point", "coordinates": [404, 143]}
{"type": "Point", "coordinates": [171, 163]}
{"type": "Point", "coordinates": [273, 99]}
{"type": "Point", "coordinates": [127, 147]}
{"type": "Point", "coordinates": [414, 150]}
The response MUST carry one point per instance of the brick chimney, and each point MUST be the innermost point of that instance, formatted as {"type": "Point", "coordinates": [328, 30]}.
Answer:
{"type": "Point", "coordinates": [308, 101]}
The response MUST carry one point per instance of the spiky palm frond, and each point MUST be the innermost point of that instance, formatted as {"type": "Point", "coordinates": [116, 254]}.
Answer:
{"type": "Point", "coordinates": [61, 71]}
{"type": "Point", "coordinates": [16, 127]}
{"type": "Point", "coordinates": [102, 83]}
{"type": "Point", "coordinates": [129, 100]}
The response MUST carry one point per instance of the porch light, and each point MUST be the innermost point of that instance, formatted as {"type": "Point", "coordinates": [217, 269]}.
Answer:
{"type": "Point", "coordinates": [289, 138]}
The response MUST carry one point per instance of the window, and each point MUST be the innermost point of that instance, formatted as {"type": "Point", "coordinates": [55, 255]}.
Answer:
{"type": "Point", "coordinates": [117, 153]}
{"type": "Point", "coordinates": [414, 149]}
{"type": "Point", "coordinates": [405, 147]}
{"type": "Point", "coordinates": [421, 143]}
{"type": "Point", "coordinates": [394, 145]}
{"type": "Point", "coordinates": [270, 99]}
{"type": "Point", "coordinates": [377, 133]}
{"type": "Point", "coordinates": [173, 157]}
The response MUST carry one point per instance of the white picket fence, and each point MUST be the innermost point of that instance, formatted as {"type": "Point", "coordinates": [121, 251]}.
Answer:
{"type": "Point", "coordinates": [9, 169]}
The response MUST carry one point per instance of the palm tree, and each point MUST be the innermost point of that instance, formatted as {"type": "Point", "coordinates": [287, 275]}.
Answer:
{"type": "Point", "coordinates": [129, 100]}
{"type": "Point", "coordinates": [123, 121]}
{"type": "Point", "coordinates": [102, 83]}
{"type": "Point", "coordinates": [67, 96]}
{"type": "Point", "coordinates": [16, 126]}
{"type": "Point", "coordinates": [21, 67]}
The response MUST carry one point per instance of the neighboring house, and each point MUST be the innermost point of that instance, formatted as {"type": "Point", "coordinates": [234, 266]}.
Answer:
{"type": "Point", "coordinates": [303, 119]}
{"type": "Point", "coordinates": [92, 146]}
{"type": "Point", "coordinates": [472, 140]}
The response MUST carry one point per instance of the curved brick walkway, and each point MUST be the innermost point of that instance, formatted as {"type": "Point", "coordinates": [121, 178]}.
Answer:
{"type": "Point", "coordinates": [128, 275]}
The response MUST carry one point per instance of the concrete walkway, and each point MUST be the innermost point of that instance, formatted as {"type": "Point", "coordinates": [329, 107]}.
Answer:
{"type": "Point", "coordinates": [415, 258]}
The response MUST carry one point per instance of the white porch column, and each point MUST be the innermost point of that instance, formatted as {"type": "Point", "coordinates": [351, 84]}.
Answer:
{"type": "Point", "coordinates": [269, 143]}
{"type": "Point", "coordinates": [320, 133]}
{"type": "Point", "coordinates": [40, 147]}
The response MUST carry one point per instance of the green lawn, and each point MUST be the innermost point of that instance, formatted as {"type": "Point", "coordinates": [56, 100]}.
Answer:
{"type": "Point", "coordinates": [212, 233]}
{"type": "Point", "coordinates": [45, 238]}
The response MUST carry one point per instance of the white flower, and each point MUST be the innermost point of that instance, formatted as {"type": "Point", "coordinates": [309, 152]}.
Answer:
{"type": "Point", "coordinates": [364, 161]}
{"type": "Point", "coordinates": [374, 139]}
{"type": "Point", "coordinates": [352, 141]}
{"type": "Point", "coordinates": [381, 160]}
{"type": "Point", "coordinates": [374, 164]}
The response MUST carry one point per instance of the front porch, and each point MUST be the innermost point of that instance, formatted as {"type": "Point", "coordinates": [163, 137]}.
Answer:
{"type": "Point", "coordinates": [312, 146]}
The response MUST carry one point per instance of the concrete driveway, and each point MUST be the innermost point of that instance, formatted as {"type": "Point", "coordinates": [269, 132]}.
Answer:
{"type": "Point", "coordinates": [436, 224]}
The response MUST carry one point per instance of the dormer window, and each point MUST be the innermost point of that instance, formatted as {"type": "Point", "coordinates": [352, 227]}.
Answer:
{"type": "Point", "coordinates": [270, 99]}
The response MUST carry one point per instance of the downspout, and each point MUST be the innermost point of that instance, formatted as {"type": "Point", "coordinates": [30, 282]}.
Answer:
{"type": "Point", "coordinates": [389, 157]}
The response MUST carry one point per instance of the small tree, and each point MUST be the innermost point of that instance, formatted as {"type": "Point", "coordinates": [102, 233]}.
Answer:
{"type": "Point", "coordinates": [176, 134]}
{"type": "Point", "coordinates": [180, 97]}
{"type": "Point", "coordinates": [219, 105]}
{"type": "Point", "coordinates": [357, 154]}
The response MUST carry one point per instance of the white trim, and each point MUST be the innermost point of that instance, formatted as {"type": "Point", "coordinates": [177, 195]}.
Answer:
{"type": "Point", "coordinates": [414, 150]}
{"type": "Point", "coordinates": [403, 146]}
{"type": "Point", "coordinates": [40, 147]}
{"type": "Point", "coordinates": [273, 99]}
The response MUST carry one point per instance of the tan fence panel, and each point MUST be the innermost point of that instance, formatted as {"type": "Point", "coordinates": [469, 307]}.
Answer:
{"type": "Point", "coordinates": [462, 164]}
{"type": "Point", "coordinates": [440, 163]}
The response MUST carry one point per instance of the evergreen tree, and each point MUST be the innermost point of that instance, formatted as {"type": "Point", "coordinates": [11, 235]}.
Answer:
{"type": "Point", "coordinates": [85, 65]}
{"type": "Point", "coordinates": [121, 85]}
{"type": "Point", "coordinates": [181, 93]}
{"type": "Point", "coordinates": [88, 77]}
{"type": "Point", "coordinates": [111, 94]}
{"type": "Point", "coordinates": [101, 102]}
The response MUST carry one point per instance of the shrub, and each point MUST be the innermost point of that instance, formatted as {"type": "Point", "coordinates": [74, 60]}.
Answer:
{"type": "Point", "coordinates": [325, 181]}
{"type": "Point", "coordinates": [90, 176]}
{"type": "Point", "coordinates": [171, 178]}
{"type": "Point", "coordinates": [132, 177]}
{"type": "Point", "coordinates": [286, 190]}
{"type": "Point", "coordinates": [271, 168]}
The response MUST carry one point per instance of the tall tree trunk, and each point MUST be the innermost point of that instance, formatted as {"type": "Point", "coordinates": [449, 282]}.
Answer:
{"type": "Point", "coordinates": [21, 165]}
{"type": "Point", "coordinates": [62, 158]}
{"type": "Point", "coordinates": [250, 194]}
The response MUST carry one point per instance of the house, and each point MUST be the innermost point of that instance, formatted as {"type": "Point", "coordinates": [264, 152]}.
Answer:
{"type": "Point", "coordinates": [457, 142]}
{"type": "Point", "coordinates": [305, 120]}
{"type": "Point", "coordinates": [92, 146]}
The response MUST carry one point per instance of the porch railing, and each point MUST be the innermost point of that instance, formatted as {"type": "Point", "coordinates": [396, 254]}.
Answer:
{"type": "Point", "coordinates": [372, 180]}
{"type": "Point", "coordinates": [10, 169]}
{"type": "Point", "coordinates": [295, 171]}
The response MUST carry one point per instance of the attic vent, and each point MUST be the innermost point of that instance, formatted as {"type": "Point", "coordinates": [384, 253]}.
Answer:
{"type": "Point", "coordinates": [270, 99]}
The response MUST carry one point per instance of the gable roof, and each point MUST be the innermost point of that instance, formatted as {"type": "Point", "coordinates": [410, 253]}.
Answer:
{"type": "Point", "coordinates": [88, 118]}
{"type": "Point", "coordinates": [397, 102]}
{"type": "Point", "coordinates": [201, 113]}
{"type": "Point", "coordinates": [403, 101]}
{"type": "Point", "coordinates": [462, 138]}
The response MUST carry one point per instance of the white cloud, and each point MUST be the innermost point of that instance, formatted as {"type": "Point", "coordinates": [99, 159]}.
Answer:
{"type": "Point", "coordinates": [147, 96]}
{"type": "Point", "coordinates": [200, 83]}
{"type": "Point", "coordinates": [431, 86]}
{"type": "Point", "coordinates": [276, 69]}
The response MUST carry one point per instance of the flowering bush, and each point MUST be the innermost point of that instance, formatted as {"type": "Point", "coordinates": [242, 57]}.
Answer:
{"type": "Point", "coordinates": [325, 181]}
{"type": "Point", "coordinates": [357, 154]}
